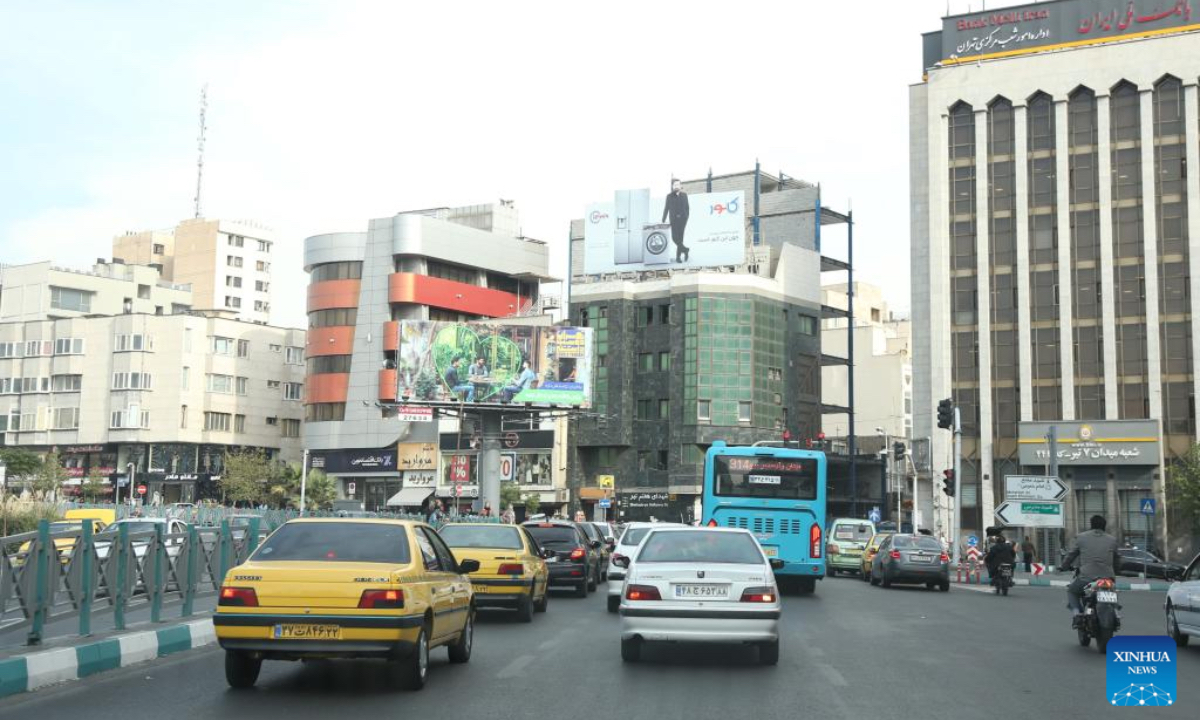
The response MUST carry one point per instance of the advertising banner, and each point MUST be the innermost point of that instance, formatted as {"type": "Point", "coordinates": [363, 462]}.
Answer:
{"type": "Point", "coordinates": [493, 364]}
{"type": "Point", "coordinates": [635, 232]}
{"type": "Point", "coordinates": [1095, 442]}
{"type": "Point", "coordinates": [417, 456]}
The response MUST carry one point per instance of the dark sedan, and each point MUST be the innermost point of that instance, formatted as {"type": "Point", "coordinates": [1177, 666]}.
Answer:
{"type": "Point", "coordinates": [1134, 562]}
{"type": "Point", "coordinates": [917, 559]}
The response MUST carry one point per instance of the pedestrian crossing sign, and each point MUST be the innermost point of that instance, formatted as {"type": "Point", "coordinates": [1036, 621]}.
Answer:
{"type": "Point", "coordinates": [1148, 506]}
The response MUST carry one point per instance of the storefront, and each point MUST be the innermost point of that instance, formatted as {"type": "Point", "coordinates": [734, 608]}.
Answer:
{"type": "Point", "coordinates": [370, 476]}
{"type": "Point", "coordinates": [526, 458]}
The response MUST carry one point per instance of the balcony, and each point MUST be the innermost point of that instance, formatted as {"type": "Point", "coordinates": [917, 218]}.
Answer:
{"type": "Point", "coordinates": [391, 336]}
{"type": "Point", "coordinates": [387, 385]}
{"type": "Point", "coordinates": [451, 295]}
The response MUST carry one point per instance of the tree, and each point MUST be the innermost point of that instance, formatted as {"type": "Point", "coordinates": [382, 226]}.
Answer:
{"type": "Point", "coordinates": [93, 487]}
{"type": "Point", "coordinates": [532, 503]}
{"type": "Point", "coordinates": [1183, 486]}
{"type": "Point", "coordinates": [510, 495]}
{"type": "Point", "coordinates": [50, 475]}
{"type": "Point", "coordinates": [320, 491]}
{"type": "Point", "coordinates": [19, 462]}
{"type": "Point", "coordinates": [247, 476]}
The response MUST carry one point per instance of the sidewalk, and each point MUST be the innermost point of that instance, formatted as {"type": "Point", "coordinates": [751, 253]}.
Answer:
{"type": "Point", "coordinates": [1061, 580]}
{"type": "Point", "coordinates": [65, 632]}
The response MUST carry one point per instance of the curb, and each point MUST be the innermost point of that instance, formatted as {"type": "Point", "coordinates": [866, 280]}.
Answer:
{"type": "Point", "coordinates": [1121, 584]}
{"type": "Point", "coordinates": [49, 667]}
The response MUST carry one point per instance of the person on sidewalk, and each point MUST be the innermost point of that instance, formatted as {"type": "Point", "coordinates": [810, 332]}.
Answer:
{"type": "Point", "coordinates": [1027, 554]}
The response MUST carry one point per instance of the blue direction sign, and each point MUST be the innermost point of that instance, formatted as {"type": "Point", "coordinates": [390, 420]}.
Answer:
{"type": "Point", "coordinates": [1148, 506]}
{"type": "Point", "coordinates": [604, 503]}
{"type": "Point", "coordinates": [874, 516]}
{"type": "Point", "coordinates": [972, 541]}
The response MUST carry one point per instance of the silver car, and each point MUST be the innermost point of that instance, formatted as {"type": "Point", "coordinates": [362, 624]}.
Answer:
{"type": "Point", "coordinates": [1183, 605]}
{"type": "Point", "coordinates": [625, 548]}
{"type": "Point", "coordinates": [700, 585]}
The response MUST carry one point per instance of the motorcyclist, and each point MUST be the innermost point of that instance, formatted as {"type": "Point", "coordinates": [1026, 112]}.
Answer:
{"type": "Point", "coordinates": [1001, 552]}
{"type": "Point", "coordinates": [1093, 554]}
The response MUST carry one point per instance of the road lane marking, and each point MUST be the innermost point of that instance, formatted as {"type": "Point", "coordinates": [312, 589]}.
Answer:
{"type": "Point", "coordinates": [515, 668]}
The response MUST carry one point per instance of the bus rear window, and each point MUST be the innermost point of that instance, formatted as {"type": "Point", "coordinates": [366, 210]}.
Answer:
{"type": "Point", "coordinates": [765, 477]}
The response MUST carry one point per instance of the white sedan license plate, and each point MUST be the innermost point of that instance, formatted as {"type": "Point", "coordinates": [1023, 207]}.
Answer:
{"type": "Point", "coordinates": [920, 558]}
{"type": "Point", "coordinates": [1106, 597]}
{"type": "Point", "coordinates": [701, 591]}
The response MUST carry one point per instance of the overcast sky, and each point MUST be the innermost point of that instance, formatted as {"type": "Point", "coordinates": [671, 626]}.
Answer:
{"type": "Point", "coordinates": [325, 114]}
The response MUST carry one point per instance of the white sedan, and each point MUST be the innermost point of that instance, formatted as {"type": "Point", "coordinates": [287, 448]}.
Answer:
{"type": "Point", "coordinates": [1183, 606]}
{"type": "Point", "coordinates": [700, 585]}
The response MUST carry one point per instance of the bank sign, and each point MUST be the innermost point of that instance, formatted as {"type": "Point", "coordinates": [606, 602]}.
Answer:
{"type": "Point", "coordinates": [1040, 26]}
{"type": "Point", "coordinates": [1097, 442]}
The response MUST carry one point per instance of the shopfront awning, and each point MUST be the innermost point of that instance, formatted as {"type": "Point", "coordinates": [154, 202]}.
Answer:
{"type": "Point", "coordinates": [410, 497]}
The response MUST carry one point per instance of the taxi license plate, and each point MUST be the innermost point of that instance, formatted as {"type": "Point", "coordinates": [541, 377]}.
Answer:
{"type": "Point", "coordinates": [1106, 597]}
{"type": "Point", "coordinates": [308, 632]}
{"type": "Point", "coordinates": [701, 591]}
{"type": "Point", "coordinates": [771, 552]}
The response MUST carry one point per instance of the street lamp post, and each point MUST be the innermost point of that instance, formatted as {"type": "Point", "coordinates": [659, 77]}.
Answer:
{"type": "Point", "coordinates": [303, 481]}
{"type": "Point", "coordinates": [885, 453]}
{"type": "Point", "coordinates": [129, 470]}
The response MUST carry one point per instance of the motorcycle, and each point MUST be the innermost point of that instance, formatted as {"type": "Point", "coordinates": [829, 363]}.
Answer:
{"type": "Point", "coordinates": [1101, 618]}
{"type": "Point", "coordinates": [1003, 579]}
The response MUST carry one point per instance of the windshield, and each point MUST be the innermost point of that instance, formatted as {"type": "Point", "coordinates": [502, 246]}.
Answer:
{"type": "Point", "coordinates": [554, 535]}
{"type": "Point", "coordinates": [482, 536]}
{"type": "Point", "coordinates": [337, 542]}
{"type": "Point", "coordinates": [134, 526]}
{"type": "Point", "coordinates": [690, 546]}
{"type": "Point", "coordinates": [633, 536]}
{"type": "Point", "coordinates": [65, 526]}
{"type": "Point", "coordinates": [765, 477]}
{"type": "Point", "coordinates": [919, 543]}
{"type": "Point", "coordinates": [856, 532]}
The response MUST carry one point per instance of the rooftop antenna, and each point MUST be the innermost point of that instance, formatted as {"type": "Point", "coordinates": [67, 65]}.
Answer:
{"type": "Point", "coordinates": [200, 146]}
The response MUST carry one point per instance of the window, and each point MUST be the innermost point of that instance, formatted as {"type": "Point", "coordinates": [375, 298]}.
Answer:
{"type": "Point", "coordinates": [132, 418]}
{"type": "Point", "coordinates": [291, 428]}
{"type": "Point", "coordinates": [68, 346]}
{"type": "Point", "coordinates": [324, 364]}
{"type": "Point", "coordinates": [131, 381]}
{"type": "Point", "coordinates": [646, 362]}
{"type": "Point", "coordinates": [645, 316]}
{"type": "Point", "coordinates": [962, 131]}
{"type": "Point", "coordinates": [185, 379]}
{"type": "Point", "coordinates": [275, 348]}
{"type": "Point", "coordinates": [237, 241]}
{"type": "Point", "coordinates": [447, 271]}
{"type": "Point", "coordinates": [1089, 355]}
{"type": "Point", "coordinates": [133, 343]}
{"type": "Point", "coordinates": [293, 391]}
{"type": "Point", "coordinates": [645, 409]}
{"type": "Point", "coordinates": [664, 409]}
{"type": "Point", "coordinates": [158, 249]}
{"type": "Point", "coordinates": [1041, 122]}
{"type": "Point", "coordinates": [10, 350]}
{"type": "Point", "coordinates": [243, 348]}
{"type": "Point", "coordinates": [341, 317]}
{"type": "Point", "coordinates": [1045, 295]}
{"type": "Point", "coordinates": [272, 421]}
{"type": "Point", "coordinates": [217, 421]}
{"type": "Point", "coordinates": [220, 384]}
{"type": "Point", "coordinates": [179, 309]}
{"type": "Point", "coordinates": [608, 456]}
{"type": "Point", "coordinates": [65, 418]}
{"type": "Point", "coordinates": [233, 261]}
{"type": "Point", "coordinates": [70, 299]}
{"type": "Point", "coordinates": [262, 266]}
{"type": "Point", "coordinates": [1130, 291]}
{"type": "Point", "coordinates": [242, 385]}
{"type": "Point", "coordinates": [239, 423]}
{"type": "Point", "coordinates": [808, 325]}
{"type": "Point", "coordinates": [66, 383]}
{"type": "Point", "coordinates": [963, 300]}
{"type": "Point", "coordinates": [324, 412]}
{"type": "Point", "coordinates": [233, 302]}
{"type": "Point", "coordinates": [744, 411]}
{"type": "Point", "coordinates": [294, 355]}
{"type": "Point", "coordinates": [264, 246]}
{"type": "Point", "coordinates": [183, 413]}
{"type": "Point", "coordinates": [233, 281]}
{"type": "Point", "coordinates": [272, 384]}
{"type": "Point", "coordinates": [1089, 401]}
{"type": "Point", "coordinates": [262, 306]}
{"type": "Point", "coordinates": [1087, 504]}
{"type": "Point", "coordinates": [1126, 114]}
{"type": "Point", "coordinates": [704, 409]}
{"type": "Point", "coordinates": [222, 345]}
{"type": "Point", "coordinates": [664, 314]}
{"type": "Point", "coordinates": [664, 361]}
{"type": "Point", "coordinates": [262, 286]}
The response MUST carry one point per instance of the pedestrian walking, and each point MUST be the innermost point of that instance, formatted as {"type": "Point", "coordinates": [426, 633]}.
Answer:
{"type": "Point", "coordinates": [487, 510]}
{"type": "Point", "coordinates": [509, 516]}
{"type": "Point", "coordinates": [1027, 554]}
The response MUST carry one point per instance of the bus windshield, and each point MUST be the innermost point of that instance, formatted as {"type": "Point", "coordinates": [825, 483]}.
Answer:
{"type": "Point", "coordinates": [765, 477]}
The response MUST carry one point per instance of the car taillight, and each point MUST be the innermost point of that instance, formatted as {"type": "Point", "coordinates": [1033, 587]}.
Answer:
{"type": "Point", "coordinates": [944, 557]}
{"type": "Point", "coordinates": [381, 600]}
{"type": "Point", "coordinates": [1104, 584]}
{"type": "Point", "coordinates": [759, 595]}
{"type": "Point", "coordinates": [238, 597]}
{"type": "Point", "coordinates": [814, 541]}
{"type": "Point", "coordinates": [833, 549]}
{"type": "Point", "coordinates": [642, 592]}
{"type": "Point", "coordinates": [712, 523]}
{"type": "Point", "coordinates": [578, 554]}
{"type": "Point", "coordinates": [895, 554]}
{"type": "Point", "coordinates": [511, 569]}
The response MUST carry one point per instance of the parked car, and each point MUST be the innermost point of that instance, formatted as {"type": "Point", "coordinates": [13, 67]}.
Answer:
{"type": "Point", "coordinates": [603, 551]}
{"type": "Point", "coordinates": [1133, 562]}
{"type": "Point", "coordinates": [847, 538]}
{"type": "Point", "coordinates": [917, 559]}
{"type": "Point", "coordinates": [1183, 605]}
{"type": "Point", "coordinates": [575, 561]}
{"type": "Point", "coordinates": [346, 588]}
{"type": "Point", "coordinates": [868, 555]}
{"type": "Point", "coordinates": [512, 566]}
{"type": "Point", "coordinates": [141, 526]}
{"type": "Point", "coordinates": [625, 548]}
{"type": "Point", "coordinates": [700, 585]}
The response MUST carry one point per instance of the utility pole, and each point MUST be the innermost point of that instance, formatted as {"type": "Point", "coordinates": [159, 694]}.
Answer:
{"type": "Point", "coordinates": [303, 480]}
{"type": "Point", "coordinates": [200, 146]}
{"type": "Point", "coordinates": [957, 482]}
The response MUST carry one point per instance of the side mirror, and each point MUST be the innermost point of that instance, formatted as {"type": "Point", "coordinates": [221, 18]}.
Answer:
{"type": "Point", "coordinates": [621, 562]}
{"type": "Point", "coordinates": [547, 554]}
{"type": "Point", "coordinates": [468, 566]}
{"type": "Point", "coordinates": [777, 564]}
{"type": "Point", "coordinates": [595, 544]}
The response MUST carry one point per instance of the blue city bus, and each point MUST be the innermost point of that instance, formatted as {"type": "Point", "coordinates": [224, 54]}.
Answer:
{"type": "Point", "coordinates": [776, 493]}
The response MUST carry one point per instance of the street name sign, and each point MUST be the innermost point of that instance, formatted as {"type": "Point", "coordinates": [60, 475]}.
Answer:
{"type": "Point", "coordinates": [1034, 487]}
{"type": "Point", "coordinates": [1031, 514]}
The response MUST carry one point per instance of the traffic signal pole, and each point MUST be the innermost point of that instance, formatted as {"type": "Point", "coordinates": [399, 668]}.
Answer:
{"type": "Point", "coordinates": [957, 483]}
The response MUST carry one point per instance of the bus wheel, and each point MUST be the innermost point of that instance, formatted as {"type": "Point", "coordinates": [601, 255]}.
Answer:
{"type": "Point", "coordinates": [808, 585]}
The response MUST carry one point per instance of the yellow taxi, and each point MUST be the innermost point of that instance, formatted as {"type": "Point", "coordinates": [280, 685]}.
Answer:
{"type": "Point", "coordinates": [346, 588]}
{"type": "Point", "coordinates": [512, 569]}
{"type": "Point", "coordinates": [72, 521]}
{"type": "Point", "coordinates": [868, 554]}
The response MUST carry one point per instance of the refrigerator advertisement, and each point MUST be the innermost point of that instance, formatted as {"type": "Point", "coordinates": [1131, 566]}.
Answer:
{"type": "Point", "coordinates": [636, 232]}
{"type": "Point", "coordinates": [490, 364]}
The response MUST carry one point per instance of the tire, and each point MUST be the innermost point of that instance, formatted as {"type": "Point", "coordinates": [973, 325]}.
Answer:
{"type": "Point", "coordinates": [593, 581]}
{"type": "Point", "coordinates": [614, 603]}
{"type": "Point", "coordinates": [1084, 638]}
{"type": "Point", "coordinates": [944, 586]}
{"type": "Point", "coordinates": [414, 670]}
{"type": "Point", "coordinates": [631, 649]}
{"type": "Point", "coordinates": [833, 572]}
{"type": "Point", "coordinates": [874, 580]}
{"type": "Point", "coordinates": [930, 586]}
{"type": "Point", "coordinates": [1181, 639]}
{"type": "Point", "coordinates": [460, 651]}
{"type": "Point", "coordinates": [525, 609]}
{"type": "Point", "coordinates": [581, 591]}
{"type": "Point", "coordinates": [1103, 635]}
{"type": "Point", "coordinates": [768, 653]}
{"type": "Point", "coordinates": [807, 586]}
{"type": "Point", "coordinates": [865, 575]}
{"type": "Point", "coordinates": [241, 670]}
{"type": "Point", "coordinates": [1004, 591]}
{"type": "Point", "coordinates": [886, 581]}
{"type": "Point", "coordinates": [543, 604]}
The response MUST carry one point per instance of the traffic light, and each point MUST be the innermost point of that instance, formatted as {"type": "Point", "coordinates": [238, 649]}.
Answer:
{"type": "Point", "coordinates": [946, 414]}
{"type": "Point", "coordinates": [948, 482]}
{"type": "Point", "coordinates": [898, 450]}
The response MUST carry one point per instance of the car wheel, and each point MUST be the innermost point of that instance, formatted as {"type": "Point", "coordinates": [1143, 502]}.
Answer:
{"type": "Point", "coordinates": [886, 581]}
{"type": "Point", "coordinates": [460, 651]}
{"type": "Point", "coordinates": [768, 653]}
{"type": "Point", "coordinates": [832, 572]}
{"type": "Point", "coordinates": [525, 609]}
{"type": "Point", "coordinates": [614, 603]}
{"type": "Point", "coordinates": [631, 649]}
{"type": "Point", "coordinates": [415, 668]}
{"type": "Point", "coordinates": [593, 581]}
{"type": "Point", "coordinates": [944, 586]}
{"type": "Point", "coordinates": [241, 670]}
{"type": "Point", "coordinates": [874, 580]}
{"type": "Point", "coordinates": [581, 590]}
{"type": "Point", "coordinates": [1181, 639]}
{"type": "Point", "coordinates": [542, 605]}
{"type": "Point", "coordinates": [930, 586]}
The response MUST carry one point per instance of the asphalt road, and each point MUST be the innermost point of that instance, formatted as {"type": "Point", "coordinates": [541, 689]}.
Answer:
{"type": "Point", "coordinates": [849, 651]}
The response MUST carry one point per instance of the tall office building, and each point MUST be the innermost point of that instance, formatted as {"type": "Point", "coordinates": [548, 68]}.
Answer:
{"type": "Point", "coordinates": [1055, 233]}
